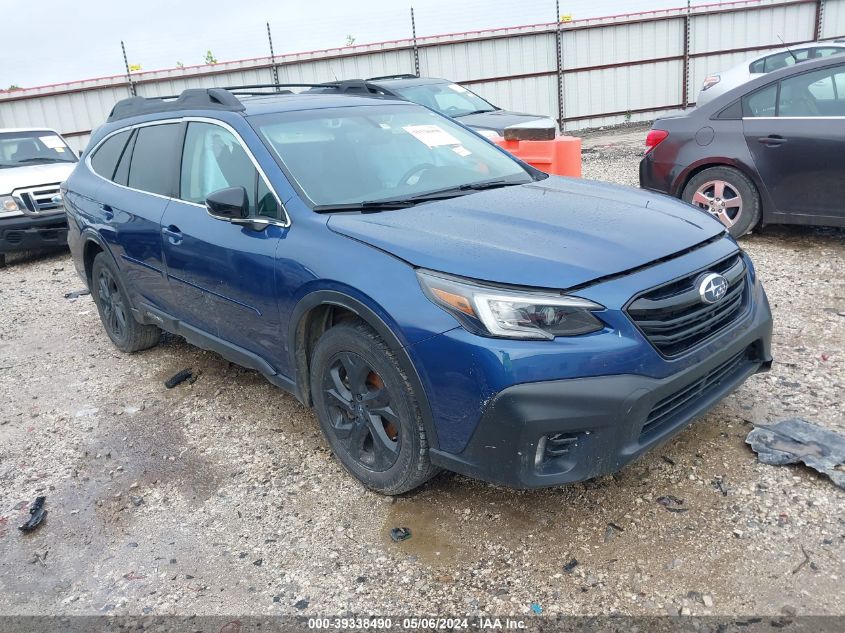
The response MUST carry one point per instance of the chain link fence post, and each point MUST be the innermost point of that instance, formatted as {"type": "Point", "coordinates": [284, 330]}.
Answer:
{"type": "Point", "coordinates": [559, 44]}
{"type": "Point", "coordinates": [132, 91]}
{"type": "Point", "coordinates": [414, 39]}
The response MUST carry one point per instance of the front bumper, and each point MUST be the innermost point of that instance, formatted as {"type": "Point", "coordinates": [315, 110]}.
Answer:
{"type": "Point", "coordinates": [29, 233]}
{"type": "Point", "coordinates": [562, 431]}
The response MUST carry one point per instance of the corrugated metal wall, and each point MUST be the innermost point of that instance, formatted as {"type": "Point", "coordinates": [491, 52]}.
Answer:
{"type": "Point", "coordinates": [615, 69]}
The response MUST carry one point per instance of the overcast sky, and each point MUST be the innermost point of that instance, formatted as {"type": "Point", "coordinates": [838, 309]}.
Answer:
{"type": "Point", "coordinates": [51, 41]}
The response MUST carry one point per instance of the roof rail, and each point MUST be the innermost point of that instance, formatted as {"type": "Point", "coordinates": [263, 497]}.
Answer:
{"type": "Point", "coordinates": [400, 76]}
{"type": "Point", "coordinates": [190, 99]}
{"type": "Point", "coordinates": [225, 99]}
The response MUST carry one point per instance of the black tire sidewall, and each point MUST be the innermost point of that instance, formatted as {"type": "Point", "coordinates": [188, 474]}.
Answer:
{"type": "Point", "coordinates": [102, 261]}
{"type": "Point", "coordinates": [358, 339]}
{"type": "Point", "coordinates": [739, 181]}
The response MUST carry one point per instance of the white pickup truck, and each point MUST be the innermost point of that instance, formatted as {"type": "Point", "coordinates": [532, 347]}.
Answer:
{"type": "Point", "coordinates": [33, 163]}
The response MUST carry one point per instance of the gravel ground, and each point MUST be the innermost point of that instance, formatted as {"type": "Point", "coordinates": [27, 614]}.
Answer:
{"type": "Point", "coordinates": [221, 497]}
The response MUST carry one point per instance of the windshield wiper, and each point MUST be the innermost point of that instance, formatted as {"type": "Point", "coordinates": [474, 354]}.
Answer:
{"type": "Point", "coordinates": [456, 116]}
{"type": "Point", "coordinates": [368, 205]}
{"type": "Point", "coordinates": [451, 192]}
{"type": "Point", "coordinates": [410, 201]}
{"type": "Point", "coordinates": [48, 159]}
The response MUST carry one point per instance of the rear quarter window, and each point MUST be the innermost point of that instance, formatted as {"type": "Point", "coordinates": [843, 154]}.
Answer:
{"type": "Point", "coordinates": [104, 161]}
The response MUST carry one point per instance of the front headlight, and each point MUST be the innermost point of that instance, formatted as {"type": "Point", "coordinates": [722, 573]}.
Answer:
{"type": "Point", "coordinates": [9, 207]}
{"type": "Point", "coordinates": [501, 312]}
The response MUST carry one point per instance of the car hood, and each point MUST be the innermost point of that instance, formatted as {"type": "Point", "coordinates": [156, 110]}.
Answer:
{"type": "Point", "coordinates": [12, 178]}
{"type": "Point", "coordinates": [497, 120]}
{"type": "Point", "coordinates": [554, 233]}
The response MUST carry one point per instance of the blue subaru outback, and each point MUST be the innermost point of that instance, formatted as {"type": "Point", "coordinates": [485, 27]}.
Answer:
{"type": "Point", "coordinates": [439, 303]}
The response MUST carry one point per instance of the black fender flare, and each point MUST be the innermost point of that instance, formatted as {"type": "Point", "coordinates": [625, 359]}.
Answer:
{"type": "Point", "coordinates": [368, 315]}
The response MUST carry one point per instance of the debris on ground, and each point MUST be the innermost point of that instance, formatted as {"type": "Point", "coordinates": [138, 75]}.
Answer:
{"type": "Point", "coordinates": [570, 566]}
{"type": "Point", "coordinates": [75, 294]}
{"type": "Point", "coordinates": [720, 485]}
{"type": "Point", "coordinates": [400, 534]}
{"type": "Point", "coordinates": [611, 531]}
{"type": "Point", "coordinates": [536, 608]}
{"type": "Point", "coordinates": [796, 440]}
{"type": "Point", "coordinates": [37, 514]}
{"type": "Point", "coordinates": [803, 562]}
{"type": "Point", "coordinates": [179, 377]}
{"type": "Point", "coordinates": [672, 503]}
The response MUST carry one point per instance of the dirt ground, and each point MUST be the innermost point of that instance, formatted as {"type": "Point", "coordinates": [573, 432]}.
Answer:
{"type": "Point", "coordinates": [221, 497]}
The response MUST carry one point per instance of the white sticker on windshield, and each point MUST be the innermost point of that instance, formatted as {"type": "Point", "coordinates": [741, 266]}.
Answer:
{"type": "Point", "coordinates": [460, 150]}
{"type": "Point", "coordinates": [431, 135]}
{"type": "Point", "coordinates": [51, 141]}
{"type": "Point", "coordinates": [458, 88]}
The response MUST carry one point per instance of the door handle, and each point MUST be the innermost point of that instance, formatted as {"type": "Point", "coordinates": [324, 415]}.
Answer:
{"type": "Point", "coordinates": [772, 140]}
{"type": "Point", "coordinates": [174, 235]}
{"type": "Point", "coordinates": [108, 212]}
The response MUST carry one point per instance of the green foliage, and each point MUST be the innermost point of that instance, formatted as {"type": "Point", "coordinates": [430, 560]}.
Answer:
{"type": "Point", "coordinates": [209, 57]}
{"type": "Point", "coordinates": [350, 40]}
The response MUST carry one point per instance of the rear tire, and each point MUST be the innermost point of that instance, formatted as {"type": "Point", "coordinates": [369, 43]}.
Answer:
{"type": "Point", "coordinates": [728, 195]}
{"type": "Point", "coordinates": [368, 410]}
{"type": "Point", "coordinates": [112, 302]}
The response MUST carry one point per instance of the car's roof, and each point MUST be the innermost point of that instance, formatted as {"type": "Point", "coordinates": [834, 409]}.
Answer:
{"type": "Point", "coordinates": [311, 101]}
{"type": "Point", "coordinates": [794, 47]}
{"type": "Point", "coordinates": [408, 81]}
{"type": "Point", "coordinates": [750, 86]}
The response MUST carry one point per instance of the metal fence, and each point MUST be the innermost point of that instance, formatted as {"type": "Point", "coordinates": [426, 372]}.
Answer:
{"type": "Point", "coordinates": [585, 73]}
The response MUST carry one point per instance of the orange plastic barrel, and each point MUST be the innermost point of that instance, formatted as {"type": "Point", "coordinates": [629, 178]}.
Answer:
{"type": "Point", "coordinates": [560, 156]}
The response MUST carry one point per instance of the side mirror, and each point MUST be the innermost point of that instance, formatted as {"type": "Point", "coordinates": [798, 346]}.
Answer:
{"type": "Point", "coordinates": [230, 204]}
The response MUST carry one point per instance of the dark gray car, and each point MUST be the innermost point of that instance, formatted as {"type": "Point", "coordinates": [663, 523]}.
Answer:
{"type": "Point", "coordinates": [771, 151]}
{"type": "Point", "coordinates": [445, 97]}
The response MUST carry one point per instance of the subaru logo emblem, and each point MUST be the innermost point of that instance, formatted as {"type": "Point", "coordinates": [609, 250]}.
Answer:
{"type": "Point", "coordinates": [712, 288]}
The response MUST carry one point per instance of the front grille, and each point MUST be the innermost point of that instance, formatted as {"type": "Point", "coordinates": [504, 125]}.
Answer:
{"type": "Point", "coordinates": [670, 408]}
{"type": "Point", "coordinates": [39, 199]}
{"type": "Point", "coordinates": [14, 237]}
{"type": "Point", "coordinates": [675, 319]}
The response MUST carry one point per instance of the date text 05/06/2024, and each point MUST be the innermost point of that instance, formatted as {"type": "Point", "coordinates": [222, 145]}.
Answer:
{"type": "Point", "coordinates": [412, 623]}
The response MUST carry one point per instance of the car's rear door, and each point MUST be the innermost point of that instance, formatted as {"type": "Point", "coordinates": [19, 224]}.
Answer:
{"type": "Point", "coordinates": [131, 207]}
{"type": "Point", "coordinates": [795, 131]}
{"type": "Point", "coordinates": [222, 275]}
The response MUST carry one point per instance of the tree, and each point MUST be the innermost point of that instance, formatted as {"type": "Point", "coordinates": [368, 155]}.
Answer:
{"type": "Point", "coordinates": [180, 65]}
{"type": "Point", "coordinates": [14, 87]}
{"type": "Point", "coordinates": [350, 40]}
{"type": "Point", "coordinates": [209, 57]}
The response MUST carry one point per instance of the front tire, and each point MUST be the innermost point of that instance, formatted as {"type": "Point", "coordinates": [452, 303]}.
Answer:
{"type": "Point", "coordinates": [113, 305]}
{"type": "Point", "coordinates": [728, 195]}
{"type": "Point", "coordinates": [368, 410]}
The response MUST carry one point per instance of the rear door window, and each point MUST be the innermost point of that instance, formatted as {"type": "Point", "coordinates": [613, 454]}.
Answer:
{"type": "Point", "coordinates": [154, 158]}
{"type": "Point", "coordinates": [104, 161]}
{"type": "Point", "coordinates": [761, 103]}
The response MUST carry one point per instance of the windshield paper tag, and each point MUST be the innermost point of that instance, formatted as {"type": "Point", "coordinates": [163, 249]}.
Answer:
{"type": "Point", "coordinates": [52, 141]}
{"type": "Point", "coordinates": [458, 88]}
{"type": "Point", "coordinates": [460, 150]}
{"type": "Point", "coordinates": [431, 135]}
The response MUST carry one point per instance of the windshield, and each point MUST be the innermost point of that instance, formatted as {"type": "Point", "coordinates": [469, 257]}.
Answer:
{"type": "Point", "coordinates": [448, 99]}
{"type": "Point", "coordinates": [381, 152]}
{"type": "Point", "coordinates": [32, 148]}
